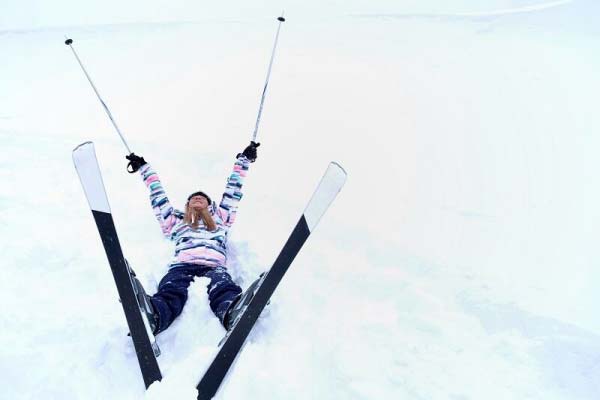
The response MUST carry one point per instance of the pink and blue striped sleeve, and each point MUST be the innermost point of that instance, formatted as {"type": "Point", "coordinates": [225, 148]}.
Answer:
{"type": "Point", "coordinates": [165, 214]}
{"type": "Point", "coordinates": [233, 191]}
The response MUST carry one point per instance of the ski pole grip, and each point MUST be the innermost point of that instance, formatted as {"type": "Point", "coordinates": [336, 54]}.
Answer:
{"type": "Point", "coordinates": [68, 42]}
{"type": "Point", "coordinates": [131, 171]}
{"type": "Point", "coordinates": [280, 19]}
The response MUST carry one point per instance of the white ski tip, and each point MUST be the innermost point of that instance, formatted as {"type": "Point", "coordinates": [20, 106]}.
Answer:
{"type": "Point", "coordinates": [86, 164]}
{"type": "Point", "coordinates": [332, 182]}
{"type": "Point", "coordinates": [83, 146]}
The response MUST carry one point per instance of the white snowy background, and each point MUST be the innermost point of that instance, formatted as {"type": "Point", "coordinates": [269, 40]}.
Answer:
{"type": "Point", "coordinates": [460, 261]}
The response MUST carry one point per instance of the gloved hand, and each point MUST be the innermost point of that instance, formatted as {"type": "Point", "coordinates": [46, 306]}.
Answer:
{"type": "Point", "coordinates": [250, 151]}
{"type": "Point", "coordinates": [135, 162]}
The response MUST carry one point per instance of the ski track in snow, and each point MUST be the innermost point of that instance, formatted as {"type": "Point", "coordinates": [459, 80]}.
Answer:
{"type": "Point", "coordinates": [476, 14]}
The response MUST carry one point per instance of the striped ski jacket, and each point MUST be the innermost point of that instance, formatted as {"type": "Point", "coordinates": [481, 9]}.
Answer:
{"type": "Point", "coordinates": [197, 246]}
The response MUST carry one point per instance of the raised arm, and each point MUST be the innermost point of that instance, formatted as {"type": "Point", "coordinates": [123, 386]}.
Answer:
{"type": "Point", "coordinates": [233, 190]}
{"type": "Point", "coordinates": [165, 214]}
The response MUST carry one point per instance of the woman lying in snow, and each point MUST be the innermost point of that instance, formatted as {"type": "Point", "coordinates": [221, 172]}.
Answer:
{"type": "Point", "coordinates": [200, 236]}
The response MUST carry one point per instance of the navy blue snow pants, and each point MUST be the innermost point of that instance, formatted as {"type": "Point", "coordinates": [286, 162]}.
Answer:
{"type": "Point", "coordinates": [173, 291]}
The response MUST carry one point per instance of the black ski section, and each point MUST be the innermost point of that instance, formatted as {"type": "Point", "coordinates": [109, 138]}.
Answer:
{"type": "Point", "coordinates": [234, 341]}
{"type": "Point", "coordinates": [86, 164]}
{"type": "Point", "coordinates": [331, 183]}
{"type": "Point", "coordinates": [143, 347]}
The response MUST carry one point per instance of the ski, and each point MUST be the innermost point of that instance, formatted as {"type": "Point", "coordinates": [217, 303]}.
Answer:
{"type": "Point", "coordinates": [146, 349]}
{"type": "Point", "coordinates": [332, 182]}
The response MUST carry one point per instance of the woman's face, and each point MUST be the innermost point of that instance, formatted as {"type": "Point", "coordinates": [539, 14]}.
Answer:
{"type": "Point", "coordinates": [198, 202]}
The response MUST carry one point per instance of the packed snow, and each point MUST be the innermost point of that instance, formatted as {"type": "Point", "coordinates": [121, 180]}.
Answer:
{"type": "Point", "coordinates": [460, 261]}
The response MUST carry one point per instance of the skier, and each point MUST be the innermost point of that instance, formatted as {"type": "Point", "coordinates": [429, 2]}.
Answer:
{"type": "Point", "coordinates": [200, 236]}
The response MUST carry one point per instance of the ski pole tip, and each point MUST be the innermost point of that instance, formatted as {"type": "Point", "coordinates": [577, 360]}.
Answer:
{"type": "Point", "coordinates": [280, 19]}
{"type": "Point", "coordinates": [68, 42]}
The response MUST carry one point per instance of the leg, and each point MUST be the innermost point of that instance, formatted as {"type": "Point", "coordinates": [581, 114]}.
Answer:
{"type": "Point", "coordinates": [222, 291]}
{"type": "Point", "coordinates": [172, 295]}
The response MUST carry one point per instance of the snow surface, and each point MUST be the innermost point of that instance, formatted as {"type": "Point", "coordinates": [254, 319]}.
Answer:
{"type": "Point", "coordinates": [459, 262]}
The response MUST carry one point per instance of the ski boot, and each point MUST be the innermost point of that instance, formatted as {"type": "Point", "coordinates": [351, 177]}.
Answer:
{"type": "Point", "coordinates": [239, 305]}
{"type": "Point", "coordinates": [144, 302]}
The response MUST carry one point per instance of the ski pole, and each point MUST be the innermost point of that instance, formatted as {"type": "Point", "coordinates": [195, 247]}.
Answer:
{"type": "Point", "coordinates": [262, 100]}
{"type": "Point", "coordinates": [69, 42]}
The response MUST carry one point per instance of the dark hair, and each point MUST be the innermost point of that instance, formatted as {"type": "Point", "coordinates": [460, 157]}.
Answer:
{"type": "Point", "coordinates": [199, 193]}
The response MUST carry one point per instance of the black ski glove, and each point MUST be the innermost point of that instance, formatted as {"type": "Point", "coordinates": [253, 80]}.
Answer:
{"type": "Point", "coordinates": [135, 162]}
{"type": "Point", "coordinates": [250, 151]}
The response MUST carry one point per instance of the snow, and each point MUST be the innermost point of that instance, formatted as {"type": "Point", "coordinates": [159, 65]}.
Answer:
{"type": "Point", "coordinates": [459, 261]}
